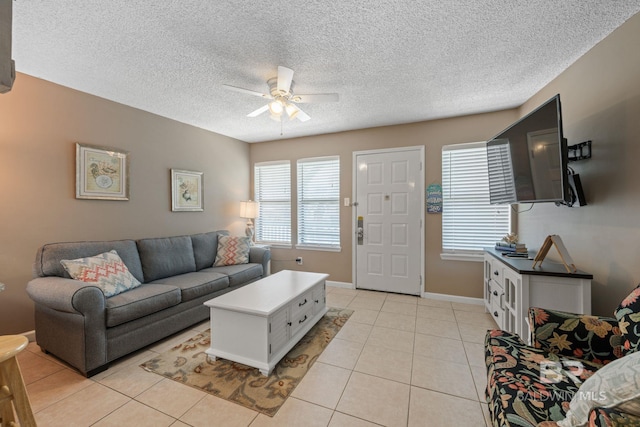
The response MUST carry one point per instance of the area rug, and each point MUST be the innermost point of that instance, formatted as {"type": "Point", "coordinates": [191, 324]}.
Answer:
{"type": "Point", "coordinates": [189, 364]}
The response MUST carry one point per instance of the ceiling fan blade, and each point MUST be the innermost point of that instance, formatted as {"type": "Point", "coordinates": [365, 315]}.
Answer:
{"type": "Point", "coordinates": [316, 97]}
{"type": "Point", "coordinates": [247, 91]}
{"type": "Point", "coordinates": [258, 111]}
{"type": "Point", "coordinates": [285, 76]}
{"type": "Point", "coordinates": [302, 116]}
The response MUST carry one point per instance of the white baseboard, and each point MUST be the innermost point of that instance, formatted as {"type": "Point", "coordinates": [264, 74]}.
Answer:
{"type": "Point", "coordinates": [453, 298]}
{"type": "Point", "coordinates": [31, 335]}
{"type": "Point", "coordinates": [345, 285]}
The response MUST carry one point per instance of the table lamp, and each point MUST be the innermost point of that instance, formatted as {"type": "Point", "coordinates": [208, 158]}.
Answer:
{"type": "Point", "coordinates": [249, 210]}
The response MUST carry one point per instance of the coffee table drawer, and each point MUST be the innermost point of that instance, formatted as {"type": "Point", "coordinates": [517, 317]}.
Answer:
{"type": "Point", "coordinates": [301, 303]}
{"type": "Point", "coordinates": [301, 319]}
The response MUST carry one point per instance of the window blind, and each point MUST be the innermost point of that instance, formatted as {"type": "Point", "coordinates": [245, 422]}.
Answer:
{"type": "Point", "coordinates": [272, 186]}
{"type": "Point", "coordinates": [469, 222]}
{"type": "Point", "coordinates": [319, 202]}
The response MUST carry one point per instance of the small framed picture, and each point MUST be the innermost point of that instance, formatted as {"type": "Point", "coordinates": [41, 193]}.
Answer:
{"type": "Point", "coordinates": [186, 190]}
{"type": "Point", "coordinates": [101, 173]}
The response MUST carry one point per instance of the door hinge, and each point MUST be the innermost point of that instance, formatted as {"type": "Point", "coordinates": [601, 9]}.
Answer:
{"type": "Point", "coordinates": [269, 327]}
{"type": "Point", "coordinates": [420, 279]}
{"type": "Point", "coordinates": [269, 348]}
{"type": "Point", "coordinates": [420, 165]}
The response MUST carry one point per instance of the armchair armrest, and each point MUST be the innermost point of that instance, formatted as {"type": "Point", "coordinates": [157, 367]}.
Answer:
{"type": "Point", "coordinates": [593, 338]}
{"type": "Point", "coordinates": [67, 295]}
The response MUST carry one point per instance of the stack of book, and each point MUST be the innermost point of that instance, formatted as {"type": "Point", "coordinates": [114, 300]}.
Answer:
{"type": "Point", "coordinates": [512, 249]}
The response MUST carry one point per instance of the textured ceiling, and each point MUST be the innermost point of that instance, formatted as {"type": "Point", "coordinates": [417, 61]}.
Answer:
{"type": "Point", "coordinates": [390, 61]}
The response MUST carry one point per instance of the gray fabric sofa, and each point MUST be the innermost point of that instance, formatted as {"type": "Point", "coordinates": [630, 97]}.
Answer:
{"type": "Point", "coordinates": [78, 324]}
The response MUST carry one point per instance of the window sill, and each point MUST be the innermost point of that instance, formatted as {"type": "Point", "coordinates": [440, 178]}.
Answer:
{"type": "Point", "coordinates": [479, 257]}
{"type": "Point", "coordinates": [274, 245]}
{"type": "Point", "coordinates": [319, 248]}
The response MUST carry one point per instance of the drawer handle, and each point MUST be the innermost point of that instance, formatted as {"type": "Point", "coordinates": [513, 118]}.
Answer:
{"type": "Point", "coordinates": [300, 304]}
{"type": "Point", "coordinates": [495, 273]}
{"type": "Point", "coordinates": [495, 293]}
{"type": "Point", "coordinates": [495, 313]}
{"type": "Point", "coordinates": [289, 323]}
{"type": "Point", "coordinates": [316, 301]}
{"type": "Point", "coordinates": [302, 320]}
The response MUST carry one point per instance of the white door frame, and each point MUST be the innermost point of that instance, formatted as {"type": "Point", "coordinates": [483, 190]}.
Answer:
{"type": "Point", "coordinates": [354, 219]}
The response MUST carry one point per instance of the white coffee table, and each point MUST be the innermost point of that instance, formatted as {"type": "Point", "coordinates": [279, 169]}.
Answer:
{"type": "Point", "coordinates": [258, 324]}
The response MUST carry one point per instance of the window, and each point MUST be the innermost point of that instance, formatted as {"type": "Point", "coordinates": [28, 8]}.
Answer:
{"type": "Point", "coordinates": [319, 203]}
{"type": "Point", "coordinates": [272, 186]}
{"type": "Point", "coordinates": [469, 222]}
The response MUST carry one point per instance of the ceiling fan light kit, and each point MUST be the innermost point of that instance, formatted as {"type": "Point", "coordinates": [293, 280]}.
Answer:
{"type": "Point", "coordinates": [283, 98]}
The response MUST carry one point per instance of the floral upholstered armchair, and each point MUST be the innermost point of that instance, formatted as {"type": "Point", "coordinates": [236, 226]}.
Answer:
{"type": "Point", "coordinates": [580, 370]}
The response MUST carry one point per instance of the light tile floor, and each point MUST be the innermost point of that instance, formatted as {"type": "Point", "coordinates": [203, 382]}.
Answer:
{"type": "Point", "coordinates": [399, 361]}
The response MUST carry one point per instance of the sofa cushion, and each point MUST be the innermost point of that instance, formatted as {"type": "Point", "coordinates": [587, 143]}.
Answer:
{"type": "Point", "coordinates": [197, 284]}
{"type": "Point", "coordinates": [165, 257]}
{"type": "Point", "coordinates": [106, 271]}
{"type": "Point", "coordinates": [628, 315]}
{"type": "Point", "coordinates": [526, 385]}
{"type": "Point", "coordinates": [616, 385]}
{"type": "Point", "coordinates": [48, 257]}
{"type": "Point", "coordinates": [232, 250]}
{"type": "Point", "coordinates": [140, 302]}
{"type": "Point", "coordinates": [239, 274]}
{"type": "Point", "coordinates": [205, 247]}
{"type": "Point", "coordinates": [585, 337]}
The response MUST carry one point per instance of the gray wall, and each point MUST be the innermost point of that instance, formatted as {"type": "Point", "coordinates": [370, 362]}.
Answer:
{"type": "Point", "coordinates": [601, 101]}
{"type": "Point", "coordinates": [447, 277]}
{"type": "Point", "coordinates": [600, 96]}
{"type": "Point", "coordinates": [40, 123]}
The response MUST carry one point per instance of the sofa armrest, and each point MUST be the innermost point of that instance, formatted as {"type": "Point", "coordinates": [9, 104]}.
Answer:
{"type": "Point", "coordinates": [594, 338]}
{"type": "Point", "coordinates": [67, 295]}
{"type": "Point", "coordinates": [260, 255]}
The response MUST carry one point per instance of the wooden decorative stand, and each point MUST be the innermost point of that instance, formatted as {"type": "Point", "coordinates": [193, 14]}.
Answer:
{"type": "Point", "coordinates": [556, 241]}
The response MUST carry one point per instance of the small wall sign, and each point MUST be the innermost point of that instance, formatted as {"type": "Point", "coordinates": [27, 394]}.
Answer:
{"type": "Point", "coordinates": [434, 198]}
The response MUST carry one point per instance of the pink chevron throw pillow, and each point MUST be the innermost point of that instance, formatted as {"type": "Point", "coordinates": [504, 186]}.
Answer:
{"type": "Point", "coordinates": [107, 271]}
{"type": "Point", "coordinates": [232, 250]}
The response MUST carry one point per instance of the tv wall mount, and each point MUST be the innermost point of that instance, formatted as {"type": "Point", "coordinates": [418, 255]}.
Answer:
{"type": "Point", "coordinates": [581, 151]}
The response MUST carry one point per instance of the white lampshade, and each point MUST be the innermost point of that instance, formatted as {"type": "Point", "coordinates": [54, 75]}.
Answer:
{"type": "Point", "coordinates": [292, 111]}
{"type": "Point", "coordinates": [276, 107]}
{"type": "Point", "coordinates": [249, 209]}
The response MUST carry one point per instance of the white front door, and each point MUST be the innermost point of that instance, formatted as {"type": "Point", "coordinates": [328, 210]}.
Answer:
{"type": "Point", "coordinates": [389, 200]}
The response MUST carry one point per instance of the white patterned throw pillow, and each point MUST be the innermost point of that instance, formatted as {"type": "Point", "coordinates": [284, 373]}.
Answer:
{"type": "Point", "coordinates": [232, 250]}
{"type": "Point", "coordinates": [107, 271]}
{"type": "Point", "coordinates": [616, 385]}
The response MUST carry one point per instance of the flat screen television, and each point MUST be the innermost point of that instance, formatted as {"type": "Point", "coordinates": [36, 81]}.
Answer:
{"type": "Point", "coordinates": [527, 162]}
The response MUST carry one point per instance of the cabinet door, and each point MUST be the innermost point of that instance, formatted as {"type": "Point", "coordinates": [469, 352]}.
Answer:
{"type": "Point", "coordinates": [279, 327]}
{"type": "Point", "coordinates": [319, 298]}
{"type": "Point", "coordinates": [487, 281]}
{"type": "Point", "coordinates": [512, 283]}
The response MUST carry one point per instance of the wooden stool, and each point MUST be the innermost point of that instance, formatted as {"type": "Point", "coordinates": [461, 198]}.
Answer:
{"type": "Point", "coordinates": [12, 388]}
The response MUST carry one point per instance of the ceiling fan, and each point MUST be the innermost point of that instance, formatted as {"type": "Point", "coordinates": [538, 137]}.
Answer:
{"type": "Point", "coordinates": [283, 99]}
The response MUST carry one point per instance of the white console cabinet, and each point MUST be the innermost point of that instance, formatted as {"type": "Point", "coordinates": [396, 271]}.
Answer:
{"type": "Point", "coordinates": [511, 286]}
